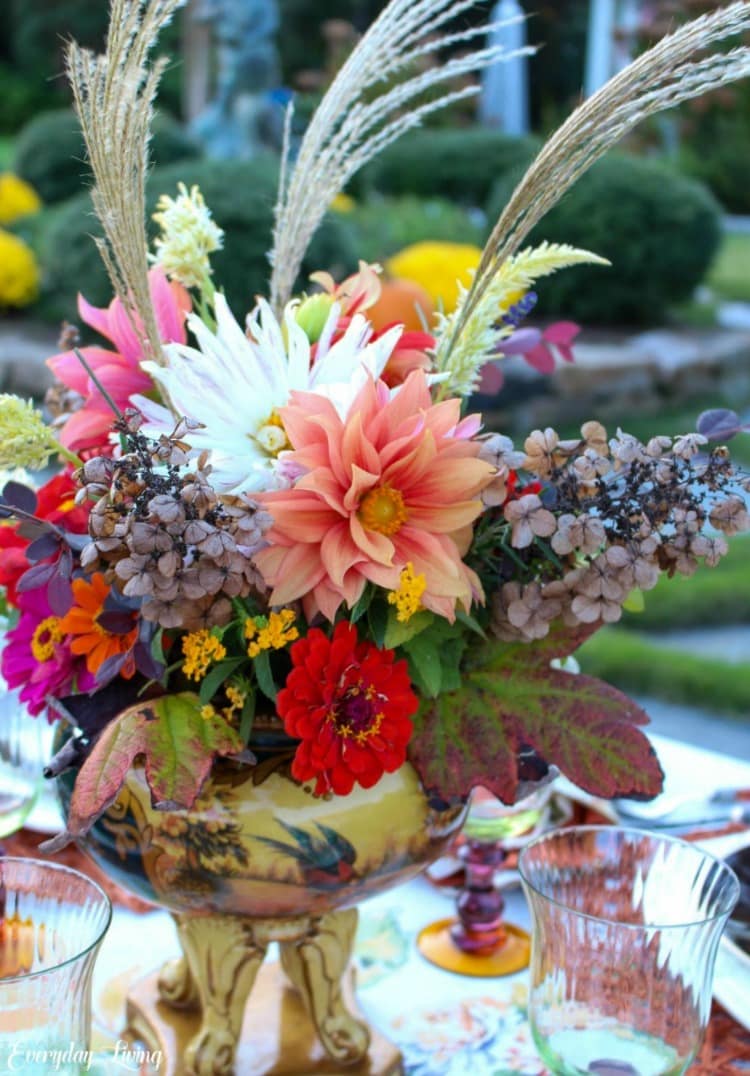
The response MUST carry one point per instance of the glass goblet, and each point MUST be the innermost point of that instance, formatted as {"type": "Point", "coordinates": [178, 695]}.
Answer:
{"type": "Point", "coordinates": [52, 922]}
{"type": "Point", "coordinates": [626, 926]}
{"type": "Point", "coordinates": [25, 747]}
{"type": "Point", "coordinates": [479, 941]}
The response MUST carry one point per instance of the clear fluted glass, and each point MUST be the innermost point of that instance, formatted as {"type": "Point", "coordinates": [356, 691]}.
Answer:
{"type": "Point", "coordinates": [626, 927]}
{"type": "Point", "coordinates": [25, 748]}
{"type": "Point", "coordinates": [53, 922]}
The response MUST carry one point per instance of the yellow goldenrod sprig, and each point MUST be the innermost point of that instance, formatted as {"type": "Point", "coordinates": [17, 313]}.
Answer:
{"type": "Point", "coordinates": [270, 633]}
{"type": "Point", "coordinates": [201, 650]}
{"type": "Point", "coordinates": [408, 596]}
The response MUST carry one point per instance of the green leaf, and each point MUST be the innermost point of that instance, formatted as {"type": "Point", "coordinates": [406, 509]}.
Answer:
{"type": "Point", "coordinates": [397, 633]}
{"type": "Point", "coordinates": [377, 619]}
{"type": "Point", "coordinates": [424, 664]}
{"type": "Point", "coordinates": [362, 604]}
{"type": "Point", "coordinates": [178, 747]}
{"type": "Point", "coordinates": [213, 680]}
{"type": "Point", "coordinates": [470, 622]}
{"type": "Point", "coordinates": [247, 718]}
{"type": "Point", "coordinates": [509, 698]}
{"type": "Point", "coordinates": [635, 602]}
{"type": "Point", "coordinates": [264, 676]}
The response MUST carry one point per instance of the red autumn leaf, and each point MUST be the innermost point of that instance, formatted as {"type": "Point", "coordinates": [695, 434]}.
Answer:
{"type": "Point", "coordinates": [510, 698]}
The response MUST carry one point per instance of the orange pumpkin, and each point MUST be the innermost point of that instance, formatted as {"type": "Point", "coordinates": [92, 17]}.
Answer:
{"type": "Point", "coordinates": [398, 302]}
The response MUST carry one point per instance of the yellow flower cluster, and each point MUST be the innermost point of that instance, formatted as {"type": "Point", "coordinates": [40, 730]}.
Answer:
{"type": "Point", "coordinates": [189, 235]}
{"type": "Point", "coordinates": [25, 441]}
{"type": "Point", "coordinates": [236, 701]}
{"type": "Point", "coordinates": [201, 650]}
{"type": "Point", "coordinates": [270, 633]}
{"type": "Point", "coordinates": [408, 597]}
{"type": "Point", "coordinates": [19, 273]}
{"type": "Point", "coordinates": [439, 268]}
{"type": "Point", "coordinates": [17, 198]}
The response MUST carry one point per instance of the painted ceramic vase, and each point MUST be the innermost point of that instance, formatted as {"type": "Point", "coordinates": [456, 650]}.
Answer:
{"type": "Point", "coordinates": [258, 843]}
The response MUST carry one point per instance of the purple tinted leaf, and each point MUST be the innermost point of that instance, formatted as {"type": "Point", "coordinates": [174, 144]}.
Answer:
{"type": "Point", "coordinates": [115, 602]}
{"type": "Point", "coordinates": [43, 547]}
{"type": "Point", "coordinates": [59, 594]}
{"type": "Point", "coordinates": [518, 343]}
{"type": "Point", "coordinates": [35, 577]}
{"type": "Point", "coordinates": [76, 541]}
{"type": "Point", "coordinates": [145, 662]}
{"type": "Point", "coordinates": [720, 424]}
{"type": "Point", "coordinates": [19, 496]}
{"type": "Point", "coordinates": [65, 564]}
{"type": "Point", "coordinates": [116, 622]}
{"type": "Point", "coordinates": [111, 668]}
{"type": "Point", "coordinates": [34, 528]}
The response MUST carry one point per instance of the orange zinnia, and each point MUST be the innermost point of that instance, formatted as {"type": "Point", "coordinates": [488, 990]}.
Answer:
{"type": "Point", "coordinates": [88, 637]}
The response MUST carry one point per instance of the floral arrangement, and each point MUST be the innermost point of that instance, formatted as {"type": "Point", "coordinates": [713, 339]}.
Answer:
{"type": "Point", "coordinates": [295, 515]}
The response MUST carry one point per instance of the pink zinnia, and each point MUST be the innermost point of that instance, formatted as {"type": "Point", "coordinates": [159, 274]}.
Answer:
{"type": "Point", "coordinates": [119, 371]}
{"type": "Point", "coordinates": [37, 657]}
{"type": "Point", "coordinates": [395, 482]}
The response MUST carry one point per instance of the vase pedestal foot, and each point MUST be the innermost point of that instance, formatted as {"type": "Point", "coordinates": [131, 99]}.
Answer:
{"type": "Point", "coordinates": [278, 1036]}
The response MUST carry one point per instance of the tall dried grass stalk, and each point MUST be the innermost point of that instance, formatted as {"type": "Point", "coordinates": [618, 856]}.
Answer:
{"type": "Point", "coordinates": [114, 96]}
{"type": "Point", "coordinates": [675, 70]}
{"type": "Point", "coordinates": [373, 100]}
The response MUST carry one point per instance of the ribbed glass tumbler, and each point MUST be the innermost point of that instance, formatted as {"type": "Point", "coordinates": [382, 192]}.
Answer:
{"type": "Point", "coordinates": [626, 926]}
{"type": "Point", "coordinates": [52, 922]}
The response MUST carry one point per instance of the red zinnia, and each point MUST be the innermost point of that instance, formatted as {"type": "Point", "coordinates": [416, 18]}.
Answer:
{"type": "Point", "coordinates": [350, 704]}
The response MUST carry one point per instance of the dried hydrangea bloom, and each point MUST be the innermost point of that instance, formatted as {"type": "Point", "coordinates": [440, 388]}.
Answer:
{"type": "Point", "coordinates": [529, 519]}
{"type": "Point", "coordinates": [730, 516]}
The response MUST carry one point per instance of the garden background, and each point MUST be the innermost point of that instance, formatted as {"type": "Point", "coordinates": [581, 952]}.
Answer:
{"type": "Point", "coordinates": [666, 329]}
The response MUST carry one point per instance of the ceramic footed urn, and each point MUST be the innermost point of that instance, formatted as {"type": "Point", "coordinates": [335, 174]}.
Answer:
{"type": "Point", "coordinates": [258, 859]}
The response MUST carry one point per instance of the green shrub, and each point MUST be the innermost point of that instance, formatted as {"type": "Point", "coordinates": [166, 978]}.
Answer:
{"type": "Point", "coordinates": [24, 95]}
{"type": "Point", "coordinates": [241, 195]}
{"type": "Point", "coordinates": [51, 155]}
{"type": "Point", "coordinates": [383, 226]}
{"type": "Point", "coordinates": [461, 165]}
{"type": "Point", "coordinates": [721, 160]}
{"type": "Point", "coordinates": [660, 230]}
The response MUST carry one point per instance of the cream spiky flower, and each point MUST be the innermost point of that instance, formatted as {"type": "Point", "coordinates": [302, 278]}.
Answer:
{"type": "Point", "coordinates": [461, 360]}
{"type": "Point", "coordinates": [235, 384]}
{"type": "Point", "coordinates": [25, 440]}
{"type": "Point", "coordinates": [189, 235]}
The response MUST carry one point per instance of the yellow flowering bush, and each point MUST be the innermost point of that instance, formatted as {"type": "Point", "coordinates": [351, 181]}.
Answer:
{"type": "Point", "coordinates": [17, 198]}
{"type": "Point", "coordinates": [19, 273]}
{"type": "Point", "coordinates": [438, 267]}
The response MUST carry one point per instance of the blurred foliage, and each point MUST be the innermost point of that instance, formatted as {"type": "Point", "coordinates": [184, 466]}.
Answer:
{"type": "Point", "coordinates": [660, 231]}
{"type": "Point", "coordinates": [241, 196]}
{"type": "Point", "coordinates": [18, 199]}
{"type": "Point", "coordinates": [382, 226]}
{"type": "Point", "coordinates": [639, 666]}
{"type": "Point", "coordinates": [50, 152]}
{"type": "Point", "coordinates": [714, 130]}
{"type": "Point", "coordinates": [461, 165]}
{"type": "Point", "coordinates": [19, 273]}
{"type": "Point", "coordinates": [730, 274]}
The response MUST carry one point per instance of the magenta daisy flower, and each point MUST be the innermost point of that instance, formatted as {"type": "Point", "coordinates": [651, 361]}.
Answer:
{"type": "Point", "coordinates": [37, 657]}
